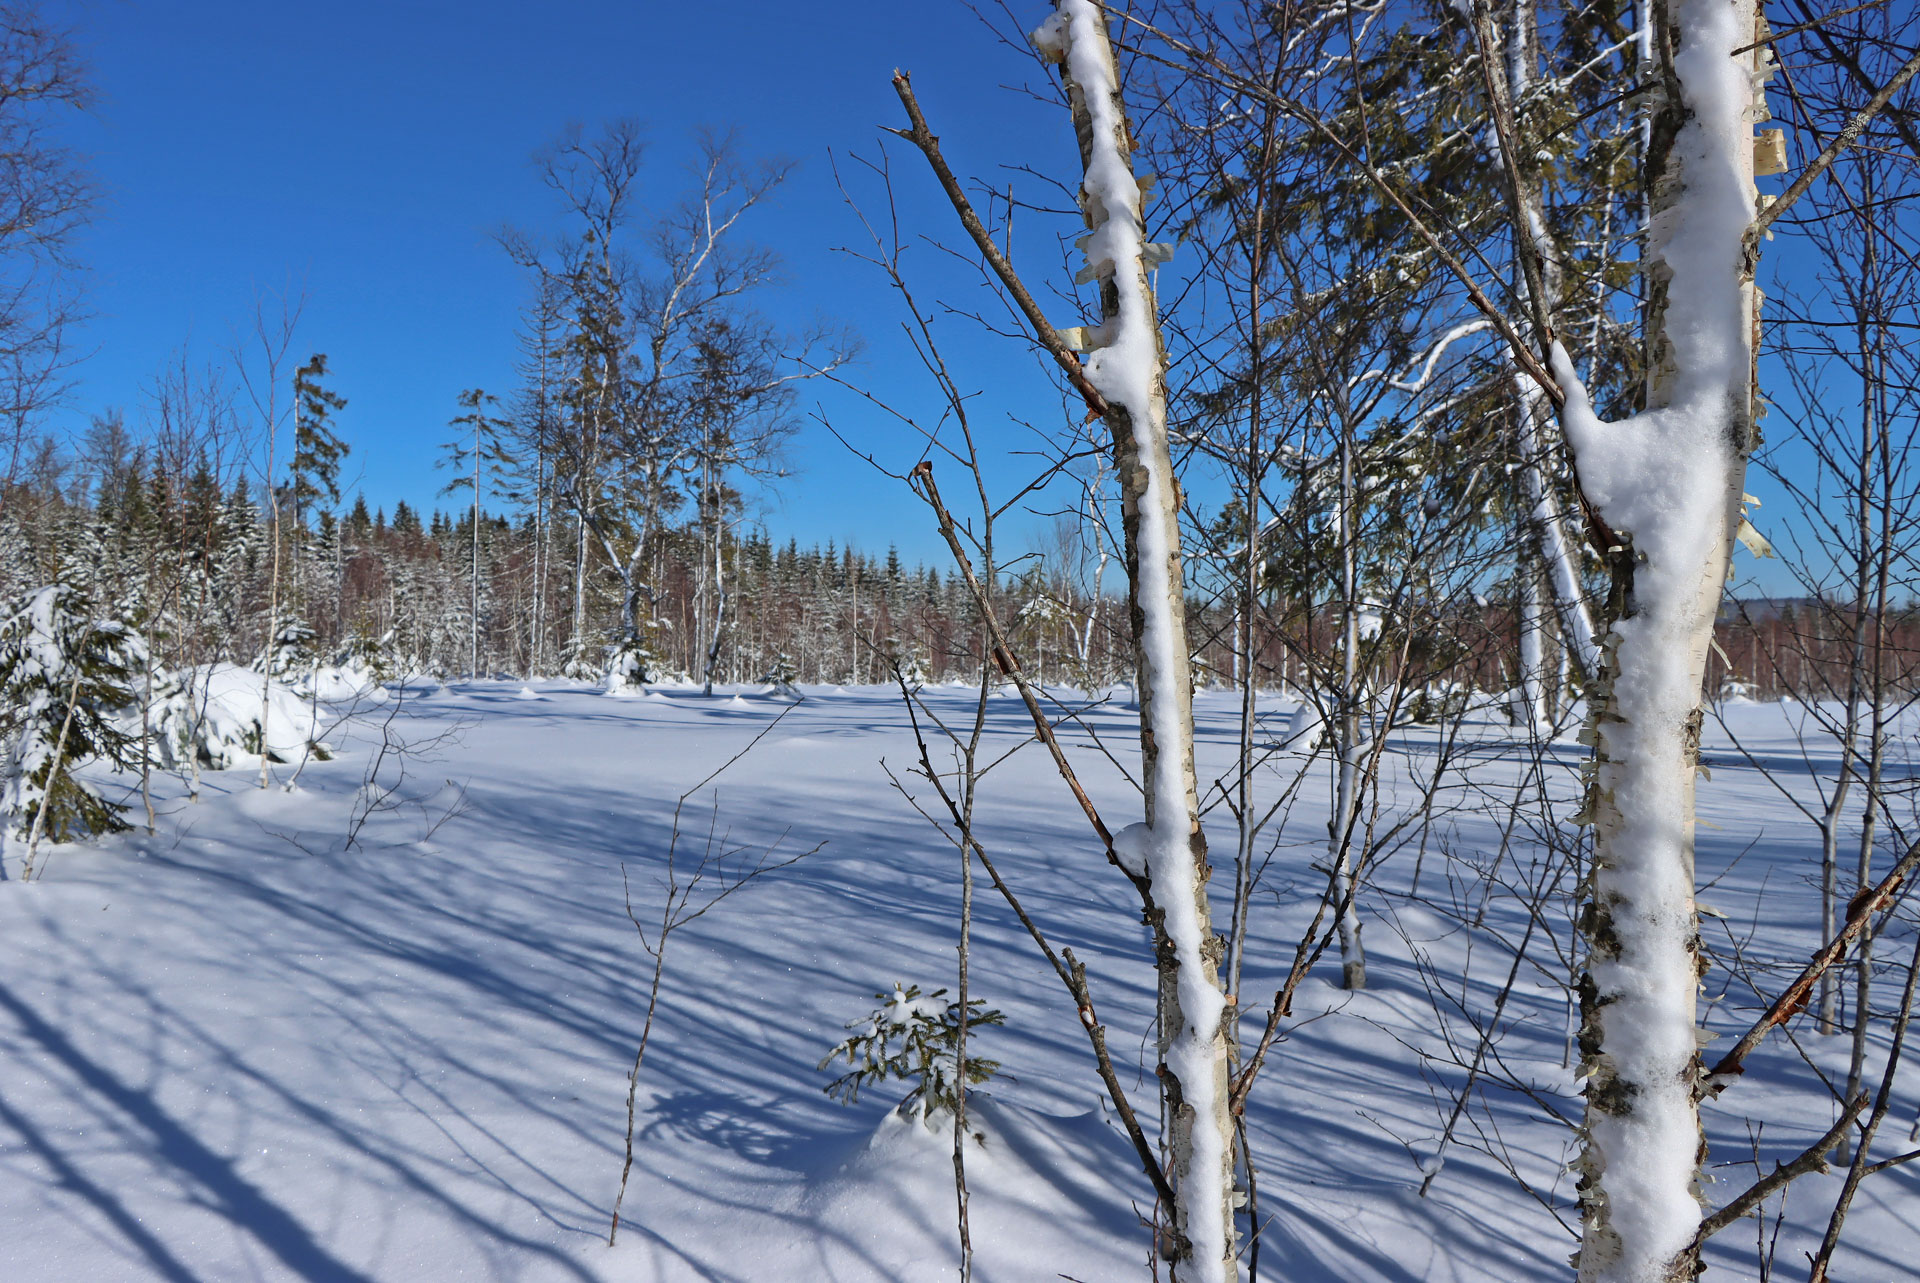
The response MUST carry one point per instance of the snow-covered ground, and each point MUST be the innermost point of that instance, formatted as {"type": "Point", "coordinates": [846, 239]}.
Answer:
{"type": "Point", "coordinates": [240, 1049]}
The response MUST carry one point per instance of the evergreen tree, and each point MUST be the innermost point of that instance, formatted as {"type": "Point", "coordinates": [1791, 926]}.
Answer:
{"type": "Point", "coordinates": [317, 450]}
{"type": "Point", "coordinates": [65, 679]}
{"type": "Point", "coordinates": [480, 448]}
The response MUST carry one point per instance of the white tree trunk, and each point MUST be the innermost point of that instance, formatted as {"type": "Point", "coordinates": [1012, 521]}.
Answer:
{"type": "Point", "coordinates": [1668, 483]}
{"type": "Point", "coordinates": [1556, 550]}
{"type": "Point", "coordinates": [1347, 736]}
{"type": "Point", "coordinates": [1534, 715]}
{"type": "Point", "coordinates": [1128, 368]}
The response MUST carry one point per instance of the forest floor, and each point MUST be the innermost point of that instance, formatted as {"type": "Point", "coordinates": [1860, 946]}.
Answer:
{"type": "Point", "coordinates": [239, 1048]}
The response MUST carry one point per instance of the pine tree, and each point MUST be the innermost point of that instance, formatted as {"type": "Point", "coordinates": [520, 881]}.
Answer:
{"type": "Point", "coordinates": [479, 449]}
{"type": "Point", "coordinates": [317, 450]}
{"type": "Point", "coordinates": [65, 679]}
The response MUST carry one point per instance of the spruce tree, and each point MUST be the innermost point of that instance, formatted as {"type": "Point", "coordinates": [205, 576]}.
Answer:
{"type": "Point", "coordinates": [317, 450]}
{"type": "Point", "coordinates": [478, 449]}
{"type": "Point", "coordinates": [65, 680]}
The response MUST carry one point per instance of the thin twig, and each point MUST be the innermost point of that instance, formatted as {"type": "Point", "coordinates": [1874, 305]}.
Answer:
{"type": "Point", "coordinates": [1072, 974]}
{"type": "Point", "coordinates": [1831, 152]}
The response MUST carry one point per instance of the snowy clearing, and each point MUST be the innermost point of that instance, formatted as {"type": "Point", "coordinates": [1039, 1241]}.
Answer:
{"type": "Point", "coordinates": [239, 1050]}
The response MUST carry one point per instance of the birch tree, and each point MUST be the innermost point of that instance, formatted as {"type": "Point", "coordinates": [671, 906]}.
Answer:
{"type": "Point", "coordinates": [1122, 381]}
{"type": "Point", "coordinates": [1667, 483]}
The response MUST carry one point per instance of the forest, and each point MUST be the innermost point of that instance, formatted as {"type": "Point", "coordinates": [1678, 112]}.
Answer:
{"type": "Point", "coordinates": [1369, 792]}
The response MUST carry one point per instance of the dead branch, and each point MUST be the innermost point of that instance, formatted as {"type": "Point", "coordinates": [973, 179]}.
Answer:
{"type": "Point", "coordinates": [1793, 998]}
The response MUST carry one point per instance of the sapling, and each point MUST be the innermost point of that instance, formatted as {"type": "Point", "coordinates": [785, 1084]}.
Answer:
{"type": "Point", "coordinates": [64, 681]}
{"type": "Point", "coordinates": [913, 1037]}
{"type": "Point", "coordinates": [782, 674]}
{"type": "Point", "coordinates": [686, 894]}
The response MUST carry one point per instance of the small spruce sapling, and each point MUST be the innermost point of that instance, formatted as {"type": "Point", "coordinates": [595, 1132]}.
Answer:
{"type": "Point", "coordinates": [293, 653]}
{"type": "Point", "coordinates": [913, 1037]}
{"type": "Point", "coordinates": [634, 661]}
{"type": "Point", "coordinates": [66, 682]}
{"type": "Point", "coordinates": [910, 660]}
{"type": "Point", "coordinates": [783, 676]}
{"type": "Point", "coordinates": [371, 657]}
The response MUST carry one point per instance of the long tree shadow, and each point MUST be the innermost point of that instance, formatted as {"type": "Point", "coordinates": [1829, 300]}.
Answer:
{"type": "Point", "coordinates": [230, 1195]}
{"type": "Point", "coordinates": [69, 1177]}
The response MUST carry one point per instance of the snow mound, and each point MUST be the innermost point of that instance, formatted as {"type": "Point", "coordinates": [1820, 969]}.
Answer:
{"type": "Point", "coordinates": [1306, 729]}
{"type": "Point", "coordinates": [213, 713]}
{"type": "Point", "coordinates": [1041, 1190]}
{"type": "Point", "coordinates": [334, 682]}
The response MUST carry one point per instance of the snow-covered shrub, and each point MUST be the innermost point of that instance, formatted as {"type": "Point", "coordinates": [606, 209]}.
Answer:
{"type": "Point", "coordinates": [913, 1037]}
{"type": "Point", "coordinates": [371, 656]}
{"type": "Point", "coordinates": [578, 663]}
{"type": "Point", "coordinates": [1306, 729]}
{"type": "Point", "coordinates": [348, 680]}
{"type": "Point", "coordinates": [630, 665]}
{"type": "Point", "coordinates": [211, 715]}
{"type": "Point", "coordinates": [635, 662]}
{"type": "Point", "coordinates": [65, 689]}
{"type": "Point", "coordinates": [782, 675]}
{"type": "Point", "coordinates": [1438, 702]}
{"type": "Point", "coordinates": [293, 653]}
{"type": "Point", "coordinates": [907, 657]}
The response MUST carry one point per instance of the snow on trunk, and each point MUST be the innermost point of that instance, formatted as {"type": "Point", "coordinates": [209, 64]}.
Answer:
{"type": "Point", "coordinates": [1548, 525]}
{"type": "Point", "coordinates": [1668, 482]}
{"type": "Point", "coordinates": [1127, 368]}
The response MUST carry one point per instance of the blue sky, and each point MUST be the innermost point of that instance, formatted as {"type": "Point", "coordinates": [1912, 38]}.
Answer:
{"type": "Point", "coordinates": [364, 154]}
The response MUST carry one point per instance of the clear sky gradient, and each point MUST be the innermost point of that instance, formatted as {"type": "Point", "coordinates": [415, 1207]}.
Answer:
{"type": "Point", "coordinates": [363, 154]}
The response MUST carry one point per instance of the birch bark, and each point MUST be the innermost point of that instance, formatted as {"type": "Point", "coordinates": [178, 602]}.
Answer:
{"type": "Point", "coordinates": [1668, 482]}
{"type": "Point", "coordinates": [1129, 368]}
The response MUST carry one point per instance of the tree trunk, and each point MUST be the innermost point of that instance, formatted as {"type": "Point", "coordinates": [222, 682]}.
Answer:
{"type": "Point", "coordinates": [1129, 371]}
{"type": "Point", "coordinates": [580, 592]}
{"type": "Point", "coordinates": [1347, 738]}
{"type": "Point", "coordinates": [1668, 484]}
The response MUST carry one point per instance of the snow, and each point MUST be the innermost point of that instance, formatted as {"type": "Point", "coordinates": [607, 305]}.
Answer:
{"type": "Point", "coordinates": [40, 671]}
{"type": "Point", "coordinates": [216, 710]}
{"type": "Point", "coordinates": [1132, 846]}
{"type": "Point", "coordinates": [1306, 728]}
{"type": "Point", "coordinates": [351, 680]}
{"type": "Point", "coordinates": [236, 1050]}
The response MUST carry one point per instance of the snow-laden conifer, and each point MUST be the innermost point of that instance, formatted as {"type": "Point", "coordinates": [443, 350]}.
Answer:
{"type": "Point", "coordinates": [65, 688]}
{"type": "Point", "coordinates": [913, 1037]}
